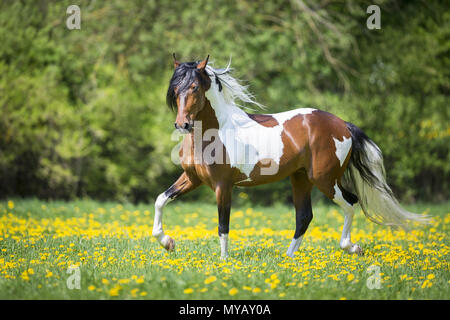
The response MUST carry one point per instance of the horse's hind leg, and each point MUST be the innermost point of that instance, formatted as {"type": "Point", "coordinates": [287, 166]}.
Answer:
{"type": "Point", "coordinates": [183, 185]}
{"type": "Point", "coordinates": [345, 200]}
{"type": "Point", "coordinates": [301, 194]}
{"type": "Point", "coordinates": [223, 197]}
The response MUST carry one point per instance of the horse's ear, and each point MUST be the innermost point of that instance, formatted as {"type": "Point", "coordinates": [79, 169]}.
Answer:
{"type": "Point", "coordinates": [202, 64]}
{"type": "Point", "coordinates": [176, 63]}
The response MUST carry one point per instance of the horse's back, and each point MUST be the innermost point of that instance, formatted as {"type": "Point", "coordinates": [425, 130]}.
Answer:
{"type": "Point", "coordinates": [316, 140]}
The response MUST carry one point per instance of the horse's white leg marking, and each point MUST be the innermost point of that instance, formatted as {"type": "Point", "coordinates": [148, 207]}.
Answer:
{"type": "Point", "coordinates": [223, 245]}
{"type": "Point", "coordinates": [346, 242]}
{"type": "Point", "coordinates": [158, 232]}
{"type": "Point", "coordinates": [295, 244]}
{"type": "Point", "coordinates": [342, 148]}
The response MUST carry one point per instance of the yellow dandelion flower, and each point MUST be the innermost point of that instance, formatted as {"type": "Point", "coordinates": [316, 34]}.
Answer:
{"type": "Point", "coordinates": [114, 292]}
{"type": "Point", "coordinates": [124, 281]}
{"type": "Point", "coordinates": [10, 204]}
{"type": "Point", "coordinates": [134, 292]}
{"type": "Point", "coordinates": [210, 279]}
{"type": "Point", "coordinates": [188, 290]}
{"type": "Point", "coordinates": [243, 195]}
{"type": "Point", "coordinates": [140, 279]}
{"type": "Point", "coordinates": [426, 284]}
{"type": "Point", "coordinates": [25, 276]}
{"type": "Point", "coordinates": [233, 291]}
{"type": "Point", "coordinates": [91, 288]}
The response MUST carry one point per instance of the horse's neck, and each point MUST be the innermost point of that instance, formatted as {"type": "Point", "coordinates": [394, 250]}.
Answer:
{"type": "Point", "coordinates": [226, 114]}
{"type": "Point", "coordinates": [207, 117]}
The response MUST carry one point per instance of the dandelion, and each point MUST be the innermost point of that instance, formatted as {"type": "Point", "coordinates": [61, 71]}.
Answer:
{"type": "Point", "coordinates": [133, 292]}
{"type": "Point", "coordinates": [124, 281]}
{"type": "Point", "coordinates": [10, 204]}
{"type": "Point", "coordinates": [188, 290]}
{"type": "Point", "coordinates": [91, 288]}
{"type": "Point", "coordinates": [25, 276]}
{"type": "Point", "coordinates": [243, 195]}
{"type": "Point", "coordinates": [114, 292]}
{"type": "Point", "coordinates": [233, 291]}
{"type": "Point", "coordinates": [426, 284]}
{"type": "Point", "coordinates": [140, 279]}
{"type": "Point", "coordinates": [210, 279]}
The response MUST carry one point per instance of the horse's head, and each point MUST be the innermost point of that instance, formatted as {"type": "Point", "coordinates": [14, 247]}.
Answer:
{"type": "Point", "coordinates": [187, 92]}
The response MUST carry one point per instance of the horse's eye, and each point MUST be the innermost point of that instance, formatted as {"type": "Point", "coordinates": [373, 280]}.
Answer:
{"type": "Point", "coordinates": [194, 88]}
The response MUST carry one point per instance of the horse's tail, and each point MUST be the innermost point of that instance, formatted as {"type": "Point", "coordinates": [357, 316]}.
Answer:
{"type": "Point", "coordinates": [366, 176]}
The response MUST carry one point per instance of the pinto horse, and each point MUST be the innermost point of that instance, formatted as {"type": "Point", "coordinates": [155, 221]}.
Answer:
{"type": "Point", "coordinates": [312, 147]}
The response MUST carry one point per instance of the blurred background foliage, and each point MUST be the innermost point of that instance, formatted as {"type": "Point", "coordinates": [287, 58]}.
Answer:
{"type": "Point", "coordinates": [83, 112]}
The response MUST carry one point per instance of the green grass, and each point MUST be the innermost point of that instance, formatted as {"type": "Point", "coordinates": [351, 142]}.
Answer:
{"type": "Point", "coordinates": [118, 259]}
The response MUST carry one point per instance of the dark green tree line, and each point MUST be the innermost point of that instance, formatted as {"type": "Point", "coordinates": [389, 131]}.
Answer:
{"type": "Point", "coordinates": [82, 112]}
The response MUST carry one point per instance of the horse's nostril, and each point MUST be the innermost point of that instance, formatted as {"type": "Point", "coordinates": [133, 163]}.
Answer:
{"type": "Point", "coordinates": [185, 125]}
{"type": "Point", "coordinates": [175, 124]}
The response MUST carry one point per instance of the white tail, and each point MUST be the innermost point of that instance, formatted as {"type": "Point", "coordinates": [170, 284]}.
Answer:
{"type": "Point", "coordinates": [366, 176]}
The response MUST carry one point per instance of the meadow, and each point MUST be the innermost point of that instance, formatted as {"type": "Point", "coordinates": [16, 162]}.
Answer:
{"type": "Point", "coordinates": [91, 250]}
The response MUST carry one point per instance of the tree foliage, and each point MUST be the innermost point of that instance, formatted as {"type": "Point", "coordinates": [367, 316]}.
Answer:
{"type": "Point", "coordinates": [83, 111]}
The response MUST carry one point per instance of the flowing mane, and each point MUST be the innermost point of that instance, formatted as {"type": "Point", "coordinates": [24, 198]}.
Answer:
{"type": "Point", "coordinates": [234, 92]}
{"type": "Point", "coordinates": [232, 89]}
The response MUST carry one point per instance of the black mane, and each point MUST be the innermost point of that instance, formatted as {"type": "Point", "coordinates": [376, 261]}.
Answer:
{"type": "Point", "coordinates": [182, 78]}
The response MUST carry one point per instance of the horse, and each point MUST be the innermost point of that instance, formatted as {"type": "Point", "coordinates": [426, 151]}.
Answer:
{"type": "Point", "coordinates": [311, 146]}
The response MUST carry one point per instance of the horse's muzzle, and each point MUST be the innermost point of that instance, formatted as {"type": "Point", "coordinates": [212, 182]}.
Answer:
{"type": "Point", "coordinates": [185, 128]}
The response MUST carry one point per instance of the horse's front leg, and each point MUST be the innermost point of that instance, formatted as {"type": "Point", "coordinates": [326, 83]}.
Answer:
{"type": "Point", "coordinates": [223, 197]}
{"type": "Point", "coordinates": [183, 185]}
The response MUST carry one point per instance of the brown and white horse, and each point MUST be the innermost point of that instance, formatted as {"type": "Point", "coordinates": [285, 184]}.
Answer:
{"type": "Point", "coordinates": [225, 147]}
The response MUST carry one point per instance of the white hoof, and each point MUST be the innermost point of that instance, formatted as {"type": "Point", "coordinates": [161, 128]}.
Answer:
{"type": "Point", "coordinates": [295, 244]}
